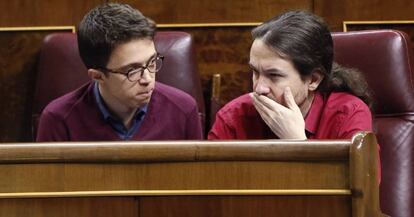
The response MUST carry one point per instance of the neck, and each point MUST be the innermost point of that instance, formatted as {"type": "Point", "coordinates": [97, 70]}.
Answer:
{"type": "Point", "coordinates": [118, 109]}
{"type": "Point", "coordinates": [307, 103]}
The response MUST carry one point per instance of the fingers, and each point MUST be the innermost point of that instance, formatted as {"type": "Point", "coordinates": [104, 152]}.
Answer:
{"type": "Point", "coordinates": [289, 99]}
{"type": "Point", "coordinates": [260, 107]}
{"type": "Point", "coordinates": [266, 102]}
{"type": "Point", "coordinates": [263, 111]}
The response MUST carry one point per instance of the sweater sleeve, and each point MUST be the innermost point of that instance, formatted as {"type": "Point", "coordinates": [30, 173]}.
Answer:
{"type": "Point", "coordinates": [51, 128]}
{"type": "Point", "coordinates": [193, 125]}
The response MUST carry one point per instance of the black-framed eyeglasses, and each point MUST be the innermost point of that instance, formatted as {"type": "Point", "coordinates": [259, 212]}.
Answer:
{"type": "Point", "coordinates": [134, 74]}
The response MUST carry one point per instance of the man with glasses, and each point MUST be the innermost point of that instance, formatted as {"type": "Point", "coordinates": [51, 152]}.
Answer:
{"type": "Point", "coordinates": [123, 101]}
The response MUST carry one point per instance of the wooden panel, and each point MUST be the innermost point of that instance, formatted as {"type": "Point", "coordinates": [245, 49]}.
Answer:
{"type": "Point", "coordinates": [179, 206]}
{"type": "Point", "coordinates": [44, 13]}
{"type": "Point", "coordinates": [173, 176]}
{"type": "Point", "coordinates": [174, 151]}
{"type": "Point", "coordinates": [201, 185]}
{"type": "Point", "coordinates": [179, 165]}
{"type": "Point", "coordinates": [70, 207]}
{"type": "Point", "coordinates": [334, 12]}
{"type": "Point", "coordinates": [223, 50]}
{"type": "Point", "coordinates": [242, 206]}
{"type": "Point", "coordinates": [19, 51]}
{"type": "Point", "coordinates": [184, 11]}
{"type": "Point", "coordinates": [364, 163]}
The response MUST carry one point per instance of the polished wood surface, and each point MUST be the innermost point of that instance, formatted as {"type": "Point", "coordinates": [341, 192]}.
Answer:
{"type": "Point", "coordinates": [173, 176]}
{"type": "Point", "coordinates": [184, 11]}
{"type": "Point", "coordinates": [335, 12]}
{"type": "Point", "coordinates": [70, 207]}
{"type": "Point", "coordinates": [174, 151]}
{"type": "Point", "coordinates": [186, 206]}
{"type": "Point", "coordinates": [253, 206]}
{"type": "Point", "coordinates": [364, 176]}
{"type": "Point", "coordinates": [187, 178]}
{"type": "Point", "coordinates": [215, 192]}
{"type": "Point", "coordinates": [44, 13]}
{"type": "Point", "coordinates": [180, 165]}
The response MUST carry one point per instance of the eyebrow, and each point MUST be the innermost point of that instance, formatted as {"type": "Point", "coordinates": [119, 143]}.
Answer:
{"type": "Point", "coordinates": [136, 65]}
{"type": "Point", "coordinates": [271, 70]}
{"type": "Point", "coordinates": [252, 67]}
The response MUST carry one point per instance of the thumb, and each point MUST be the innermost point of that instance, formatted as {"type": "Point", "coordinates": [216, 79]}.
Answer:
{"type": "Point", "coordinates": [289, 99]}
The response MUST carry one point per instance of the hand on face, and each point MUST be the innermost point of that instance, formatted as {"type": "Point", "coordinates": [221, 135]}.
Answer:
{"type": "Point", "coordinates": [285, 121]}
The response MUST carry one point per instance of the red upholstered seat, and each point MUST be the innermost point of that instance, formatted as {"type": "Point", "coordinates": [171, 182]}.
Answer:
{"type": "Point", "coordinates": [386, 59]}
{"type": "Point", "coordinates": [61, 70]}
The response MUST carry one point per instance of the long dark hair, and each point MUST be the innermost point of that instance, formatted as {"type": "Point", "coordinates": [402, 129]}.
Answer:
{"type": "Point", "coordinates": [305, 39]}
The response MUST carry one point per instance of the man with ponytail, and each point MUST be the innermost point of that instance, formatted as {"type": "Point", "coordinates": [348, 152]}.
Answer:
{"type": "Point", "coordinates": [298, 91]}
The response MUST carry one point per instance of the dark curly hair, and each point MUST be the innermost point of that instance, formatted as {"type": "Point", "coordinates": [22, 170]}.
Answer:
{"type": "Point", "coordinates": [305, 39]}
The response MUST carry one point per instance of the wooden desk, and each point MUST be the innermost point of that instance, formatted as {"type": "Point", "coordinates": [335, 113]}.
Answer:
{"type": "Point", "coordinates": [191, 178]}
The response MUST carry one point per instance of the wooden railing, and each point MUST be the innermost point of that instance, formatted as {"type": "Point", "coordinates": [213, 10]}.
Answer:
{"type": "Point", "coordinates": [191, 178]}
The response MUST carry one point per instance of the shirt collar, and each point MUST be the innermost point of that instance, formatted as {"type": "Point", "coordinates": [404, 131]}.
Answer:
{"type": "Point", "coordinates": [104, 110]}
{"type": "Point", "coordinates": [314, 114]}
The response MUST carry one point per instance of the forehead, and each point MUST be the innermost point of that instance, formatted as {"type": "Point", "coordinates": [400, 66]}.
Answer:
{"type": "Point", "coordinates": [263, 57]}
{"type": "Point", "coordinates": [134, 51]}
{"type": "Point", "coordinates": [260, 50]}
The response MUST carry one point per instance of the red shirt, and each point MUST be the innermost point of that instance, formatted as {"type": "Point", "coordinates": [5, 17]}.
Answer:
{"type": "Point", "coordinates": [339, 116]}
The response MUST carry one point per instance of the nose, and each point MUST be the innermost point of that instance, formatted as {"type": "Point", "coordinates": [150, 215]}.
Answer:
{"type": "Point", "coordinates": [145, 77]}
{"type": "Point", "coordinates": [261, 87]}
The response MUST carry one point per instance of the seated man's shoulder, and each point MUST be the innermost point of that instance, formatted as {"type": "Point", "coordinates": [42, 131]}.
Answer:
{"type": "Point", "coordinates": [63, 105]}
{"type": "Point", "coordinates": [166, 94]}
{"type": "Point", "coordinates": [346, 102]}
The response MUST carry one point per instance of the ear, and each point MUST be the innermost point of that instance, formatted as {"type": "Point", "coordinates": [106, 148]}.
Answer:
{"type": "Point", "coordinates": [315, 79]}
{"type": "Point", "coordinates": [95, 75]}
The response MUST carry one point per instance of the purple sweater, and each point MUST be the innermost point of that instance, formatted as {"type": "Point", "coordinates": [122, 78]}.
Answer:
{"type": "Point", "coordinates": [171, 115]}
